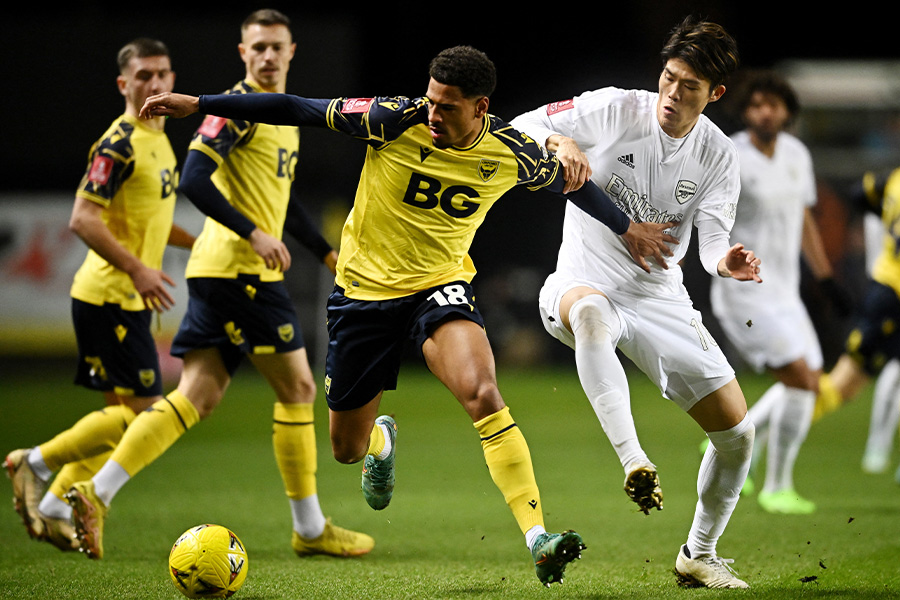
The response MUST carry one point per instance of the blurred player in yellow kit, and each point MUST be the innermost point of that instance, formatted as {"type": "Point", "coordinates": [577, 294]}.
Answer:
{"type": "Point", "coordinates": [875, 339]}
{"type": "Point", "coordinates": [240, 174]}
{"type": "Point", "coordinates": [123, 211]}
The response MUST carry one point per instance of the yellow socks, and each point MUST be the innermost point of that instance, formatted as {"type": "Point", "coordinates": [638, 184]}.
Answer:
{"type": "Point", "coordinates": [81, 470]}
{"type": "Point", "coordinates": [153, 431]}
{"type": "Point", "coordinates": [97, 432]}
{"type": "Point", "coordinates": [294, 440]}
{"type": "Point", "coordinates": [509, 463]}
{"type": "Point", "coordinates": [828, 400]}
{"type": "Point", "coordinates": [377, 441]}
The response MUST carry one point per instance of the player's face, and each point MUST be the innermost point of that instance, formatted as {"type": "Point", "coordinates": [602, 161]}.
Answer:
{"type": "Point", "coordinates": [143, 78]}
{"type": "Point", "coordinates": [683, 95]}
{"type": "Point", "coordinates": [453, 119]}
{"type": "Point", "coordinates": [267, 51]}
{"type": "Point", "coordinates": [766, 115]}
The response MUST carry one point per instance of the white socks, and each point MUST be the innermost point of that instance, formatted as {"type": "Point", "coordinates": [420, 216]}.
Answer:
{"type": "Point", "coordinates": [719, 482]}
{"type": "Point", "coordinates": [307, 515]}
{"type": "Point", "coordinates": [790, 421]}
{"type": "Point", "coordinates": [109, 480]}
{"type": "Point", "coordinates": [782, 417]}
{"type": "Point", "coordinates": [38, 466]}
{"type": "Point", "coordinates": [885, 415]}
{"type": "Point", "coordinates": [595, 325]}
{"type": "Point", "coordinates": [532, 534]}
{"type": "Point", "coordinates": [54, 508]}
{"type": "Point", "coordinates": [386, 451]}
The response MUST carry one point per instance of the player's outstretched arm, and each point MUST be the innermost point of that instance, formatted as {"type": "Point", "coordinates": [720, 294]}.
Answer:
{"type": "Point", "coordinates": [169, 104]}
{"type": "Point", "coordinates": [740, 264]}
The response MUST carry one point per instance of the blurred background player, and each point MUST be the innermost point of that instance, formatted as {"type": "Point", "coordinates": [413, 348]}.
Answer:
{"type": "Point", "coordinates": [123, 211]}
{"type": "Point", "coordinates": [768, 324]}
{"type": "Point", "coordinates": [874, 342]}
{"type": "Point", "coordinates": [434, 167]}
{"type": "Point", "coordinates": [240, 174]}
{"type": "Point", "coordinates": [662, 161]}
{"type": "Point", "coordinates": [885, 415]}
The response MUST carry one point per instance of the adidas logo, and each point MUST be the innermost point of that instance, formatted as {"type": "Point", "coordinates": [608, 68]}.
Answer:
{"type": "Point", "coordinates": [627, 160]}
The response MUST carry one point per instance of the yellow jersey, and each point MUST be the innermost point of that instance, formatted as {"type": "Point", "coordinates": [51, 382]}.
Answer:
{"type": "Point", "coordinates": [132, 173]}
{"type": "Point", "coordinates": [256, 164]}
{"type": "Point", "coordinates": [884, 197]}
{"type": "Point", "coordinates": [417, 206]}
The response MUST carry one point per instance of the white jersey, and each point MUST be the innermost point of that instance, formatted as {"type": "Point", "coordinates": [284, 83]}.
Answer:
{"type": "Point", "coordinates": [692, 181]}
{"type": "Point", "coordinates": [768, 323]}
{"type": "Point", "coordinates": [775, 193]}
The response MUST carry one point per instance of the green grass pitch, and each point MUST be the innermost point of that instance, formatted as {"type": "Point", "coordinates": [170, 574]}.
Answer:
{"type": "Point", "coordinates": [448, 533]}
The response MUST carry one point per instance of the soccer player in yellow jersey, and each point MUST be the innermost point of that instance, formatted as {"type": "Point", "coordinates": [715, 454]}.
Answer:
{"type": "Point", "coordinates": [123, 211]}
{"type": "Point", "coordinates": [875, 338]}
{"type": "Point", "coordinates": [434, 166]}
{"type": "Point", "coordinates": [240, 174]}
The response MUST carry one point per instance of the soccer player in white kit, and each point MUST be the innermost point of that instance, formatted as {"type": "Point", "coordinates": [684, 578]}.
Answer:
{"type": "Point", "coordinates": [662, 160]}
{"type": "Point", "coordinates": [768, 324]}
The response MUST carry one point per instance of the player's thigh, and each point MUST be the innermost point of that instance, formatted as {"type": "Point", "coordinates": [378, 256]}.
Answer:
{"type": "Point", "coordinates": [289, 375]}
{"type": "Point", "coordinates": [721, 409]}
{"type": "Point", "coordinates": [667, 340]}
{"type": "Point", "coordinates": [204, 379]}
{"type": "Point", "coordinates": [460, 356]}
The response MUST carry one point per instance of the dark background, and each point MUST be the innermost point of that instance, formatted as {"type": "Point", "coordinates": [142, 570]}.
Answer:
{"type": "Point", "coordinates": [59, 65]}
{"type": "Point", "coordinates": [60, 95]}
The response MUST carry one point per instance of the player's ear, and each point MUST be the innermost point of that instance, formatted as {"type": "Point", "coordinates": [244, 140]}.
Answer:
{"type": "Point", "coordinates": [481, 106]}
{"type": "Point", "coordinates": [717, 93]}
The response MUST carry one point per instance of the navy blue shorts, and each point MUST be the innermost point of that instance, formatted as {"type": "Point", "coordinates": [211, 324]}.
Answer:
{"type": "Point", "coordinates": [116, 351]}
{"type": "Point", "coordinates": [368, 339]}
{"type": "Point", "coordinates": [238, 316]}
{"type": "Point", "coordinates": [875, 339]}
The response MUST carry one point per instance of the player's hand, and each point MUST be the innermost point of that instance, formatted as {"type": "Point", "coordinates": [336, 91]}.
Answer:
{"type": "Point", "coordinates": [169, 104]}
{"type": "Point", "coordinates": [272, 250]}
{"type": "Point", "coordinates": [330, 261]}
{"type": "Point", "coordinates": [576, 167]}
{"type": "Point", "coordinates": [649, 239]}
{"type": "Point", "coordinates": [151, 285]}
{"type": "Point", "coordinates": [740, 264]}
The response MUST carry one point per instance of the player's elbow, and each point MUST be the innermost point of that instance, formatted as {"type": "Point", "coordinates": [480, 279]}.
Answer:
{"type": "Point", "coordinates": [78, 224]}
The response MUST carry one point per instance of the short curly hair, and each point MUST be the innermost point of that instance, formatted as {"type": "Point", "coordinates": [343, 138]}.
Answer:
{"type": "Point", "coordinates": [467, 68]}
{"type": "Point", "coordinates": [766, 81]}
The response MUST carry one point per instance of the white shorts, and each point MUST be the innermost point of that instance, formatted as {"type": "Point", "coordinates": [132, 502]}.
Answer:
{"type": "Point", "coordinates": [765, 334]}
{"type": "Point", "coordinates": [665, 338]}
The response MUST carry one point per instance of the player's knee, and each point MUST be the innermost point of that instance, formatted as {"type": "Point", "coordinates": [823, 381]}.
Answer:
{"type": "Point", "coordinates": [735, 441]}
{"type": "Point", "coordinates": [482, 399]}
{"type": "Point", "coordinates": [139, 404]}
{"type": "Point", "coordinates": [347, 452]}
{"type": "Point", "coordinates": [295, 389]}
{"type": "Point", "coordinates": [593, 319]}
